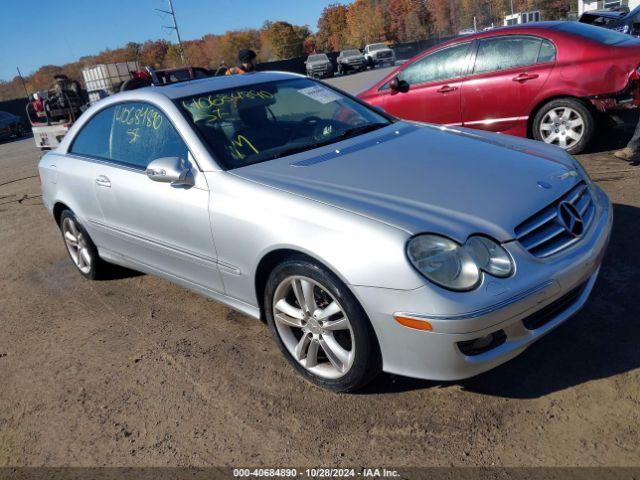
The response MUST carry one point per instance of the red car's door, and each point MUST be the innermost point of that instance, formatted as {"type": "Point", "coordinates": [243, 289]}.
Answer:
{"type": "Point", "coordinates": [435, 82]}
{"type": "Point", "coordinates": [508, 72]}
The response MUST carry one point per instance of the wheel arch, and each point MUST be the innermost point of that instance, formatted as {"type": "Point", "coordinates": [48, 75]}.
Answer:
{"type": "Point", "coordinates": [273, 258]}
{"type": "Point", "coordinates": [58, 208]}
{"type": "Point", "coordinates": [543, 102]}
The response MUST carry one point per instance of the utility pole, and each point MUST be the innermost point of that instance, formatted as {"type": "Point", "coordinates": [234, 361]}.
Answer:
{"type": "Point", "coordinates": [175, 27]}
{"type": "Point", "coordinates": [511, 7]}
{"type": "Point", "coordinates": [23, 84]}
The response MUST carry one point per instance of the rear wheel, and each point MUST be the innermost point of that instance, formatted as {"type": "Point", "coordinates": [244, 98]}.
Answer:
{"type": "Point", "coordinates": [81, 249]}
{"type": "Point", "coordinates": [566, 123]}
{"type": "Point", "coordinates": [320, 327]}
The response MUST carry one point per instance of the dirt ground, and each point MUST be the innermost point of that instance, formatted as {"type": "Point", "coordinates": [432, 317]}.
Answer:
{"type": "Point", "coordinates": [135, 371]}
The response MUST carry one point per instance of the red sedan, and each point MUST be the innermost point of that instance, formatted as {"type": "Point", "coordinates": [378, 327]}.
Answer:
{"type": "Point", "coordinates": [546, 81]}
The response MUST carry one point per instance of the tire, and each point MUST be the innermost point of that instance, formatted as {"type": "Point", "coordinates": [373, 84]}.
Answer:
{"type": "Point", "coordinates": [89, 264]}
{"type": "Point", "coordinates": [353, 357]}
{"type": "Point", "coordinates": [565, 122]}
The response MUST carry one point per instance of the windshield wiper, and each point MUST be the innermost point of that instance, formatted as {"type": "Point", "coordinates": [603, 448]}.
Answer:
{"type": "Point", "coordinates": [360, 130]}
{"type": "Point", "coordinates": [351, 132]}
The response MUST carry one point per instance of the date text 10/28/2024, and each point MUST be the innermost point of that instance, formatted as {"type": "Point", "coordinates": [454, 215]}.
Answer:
{"type": "Point", "coordinates": [315, 472]}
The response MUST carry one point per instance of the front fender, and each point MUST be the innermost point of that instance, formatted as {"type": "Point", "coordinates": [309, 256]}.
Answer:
{"type": "Point", "coordinates": [249, 220]}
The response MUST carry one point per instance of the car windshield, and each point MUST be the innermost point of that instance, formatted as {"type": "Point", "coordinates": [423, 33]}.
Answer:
{"type": "Point", "coordinates": [350, 53]}
{"type": "Point", "coordinates": [317, 58]}
{"type": "Point", "coordinates": [255, 123]}
{"type": "Point", "coordinates": [377, 46]}
{"type": "Point", "coordinates": [598, 34]}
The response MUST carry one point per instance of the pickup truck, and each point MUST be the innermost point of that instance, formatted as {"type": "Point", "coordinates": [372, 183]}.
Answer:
{"type": "Point", "coordinates": [379, 55]}
{"type": "Point", "coordinates": [318, 65]}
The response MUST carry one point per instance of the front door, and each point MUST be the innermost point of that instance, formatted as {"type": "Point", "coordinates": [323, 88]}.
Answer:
{"type": "Point", "coordinates": [435, 82]}
{"type": "Point", "coordinates": [164, 227]}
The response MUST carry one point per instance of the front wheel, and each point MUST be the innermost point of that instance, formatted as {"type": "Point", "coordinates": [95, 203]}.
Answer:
{"type": "Point", "coordinates": [566, 123]}
{"type": "Point", "coordinates": [320, 327]}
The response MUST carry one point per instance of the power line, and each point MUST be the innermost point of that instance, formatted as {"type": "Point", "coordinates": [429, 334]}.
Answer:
{"type": "Point", "coordinates": [172, 12]}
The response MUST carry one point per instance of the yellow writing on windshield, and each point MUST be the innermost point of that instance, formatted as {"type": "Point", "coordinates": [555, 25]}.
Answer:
{"type": "Point", "coordinates": [239, 142]}
{"type": "Point", "coordinates": [218, 100]}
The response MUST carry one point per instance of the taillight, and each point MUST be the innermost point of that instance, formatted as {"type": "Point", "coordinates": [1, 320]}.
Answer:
{"type": "Point", "coordinates": [635, 75]}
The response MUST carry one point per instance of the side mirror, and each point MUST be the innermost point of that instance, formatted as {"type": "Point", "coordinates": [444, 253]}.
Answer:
{"type": "Point", "coordinates": [173, 170]}
{"type": "Point", "coordinates": [397, 85]}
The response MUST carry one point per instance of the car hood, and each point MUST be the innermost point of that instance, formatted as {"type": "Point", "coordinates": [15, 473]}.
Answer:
{"type": "Point", "coordinates": [423, 178]}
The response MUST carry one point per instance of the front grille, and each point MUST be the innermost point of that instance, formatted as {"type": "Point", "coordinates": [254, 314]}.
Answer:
{"type": "Point", "coordinates": [551, 311]}
{"type": "Point", "coordinates": [543, 234]}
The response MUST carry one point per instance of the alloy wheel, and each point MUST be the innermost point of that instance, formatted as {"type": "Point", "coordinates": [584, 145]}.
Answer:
{"type": "Point", "coordinates": [562, 126]}
{"type": "Point", "coordinates": [77, 245]}
{"type": "Point", "coordinates": [313, 327]}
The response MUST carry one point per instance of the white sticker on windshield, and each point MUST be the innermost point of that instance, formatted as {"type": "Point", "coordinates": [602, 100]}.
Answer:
{"type": "Point", "coordinates": [320, 94]}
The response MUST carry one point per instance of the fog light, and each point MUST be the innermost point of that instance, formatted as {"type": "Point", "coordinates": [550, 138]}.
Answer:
{"type": "Point", "coordinates": [482, 344]}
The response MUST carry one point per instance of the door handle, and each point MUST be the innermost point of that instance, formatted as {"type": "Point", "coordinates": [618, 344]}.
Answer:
{"type": "Point", "coordinates": [447, 89]}
{"type": "Point", "coordinates": [103, 181]}
{"type": "Point", "coordinates": [523, 77]}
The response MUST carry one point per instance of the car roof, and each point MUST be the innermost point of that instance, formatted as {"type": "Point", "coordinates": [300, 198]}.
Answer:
{"type": "Point", "coordinates": [209, 84]}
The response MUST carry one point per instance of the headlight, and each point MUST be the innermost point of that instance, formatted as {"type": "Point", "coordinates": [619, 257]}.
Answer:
{"type": "Point", "coordinates": [489, 256]}
{"type": "Point", "coordinates": [444, 262]}
{"type": "Point", "coordinates": [458, 267]}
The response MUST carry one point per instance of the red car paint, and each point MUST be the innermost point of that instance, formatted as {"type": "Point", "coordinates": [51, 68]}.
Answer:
{"type": "Point", "coordinates": [602, 75]}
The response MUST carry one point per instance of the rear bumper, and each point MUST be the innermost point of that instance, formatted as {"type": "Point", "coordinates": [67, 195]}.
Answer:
{"type": "Point", "coordinates": [628, 98]}
{"type": "Point", "coordinates": [548, 294]}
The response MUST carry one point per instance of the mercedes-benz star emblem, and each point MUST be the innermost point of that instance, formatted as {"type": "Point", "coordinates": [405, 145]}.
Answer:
{"type": "Point", "coordinates": [570, 219]}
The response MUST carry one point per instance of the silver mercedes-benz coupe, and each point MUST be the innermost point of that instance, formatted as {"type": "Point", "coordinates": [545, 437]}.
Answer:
{"type": "Point", "coordinates": [366, 243]}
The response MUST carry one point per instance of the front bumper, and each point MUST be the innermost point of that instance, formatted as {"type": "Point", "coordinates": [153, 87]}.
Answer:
{"type": "Point", "coordinates": [511, 307]}
{"type": "Point", "coordinates": [320, 73]}
{"type": "Point", "coordinates": [384, 61]}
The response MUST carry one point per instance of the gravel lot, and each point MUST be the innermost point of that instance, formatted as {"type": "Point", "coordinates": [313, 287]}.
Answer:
{"type": "Point", "coordinates": [137, 371]}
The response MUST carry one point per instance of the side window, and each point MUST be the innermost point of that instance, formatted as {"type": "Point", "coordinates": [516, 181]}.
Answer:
{"type": "Point", "coordinates": [133, 134]}
{"type": "Point", "coordinates": [502, 53]}
{"type": "Point", "coordinates": [93, 139]}
{"type": "Point", "coordinates": [441, 65]}
{"type": "Point", "coordinates": [547, 52]}
{"type": "Point", "coordinates": [141, 133]}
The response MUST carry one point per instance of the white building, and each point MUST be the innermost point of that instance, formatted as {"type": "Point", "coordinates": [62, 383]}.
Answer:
{"type": "Point", "coordinates": [588, 5]}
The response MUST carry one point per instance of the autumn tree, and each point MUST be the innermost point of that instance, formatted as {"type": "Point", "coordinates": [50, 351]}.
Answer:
{"type": "Point", "coordinates": [332, 28]}
{"type": "Point", "coordinates": [365, 23]}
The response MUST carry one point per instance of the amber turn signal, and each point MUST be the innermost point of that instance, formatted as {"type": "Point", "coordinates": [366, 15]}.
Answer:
{"type": "Point", "coordinates": [413, 323]}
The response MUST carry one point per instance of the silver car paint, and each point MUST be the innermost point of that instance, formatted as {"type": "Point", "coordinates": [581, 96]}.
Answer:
{"type": "Point", "coordinates": [353, 206]}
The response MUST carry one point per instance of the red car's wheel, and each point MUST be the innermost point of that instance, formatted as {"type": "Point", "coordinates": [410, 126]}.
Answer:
{"type": "Point", "coordinates": [565, 122]}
